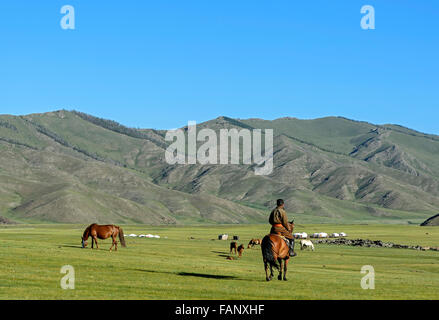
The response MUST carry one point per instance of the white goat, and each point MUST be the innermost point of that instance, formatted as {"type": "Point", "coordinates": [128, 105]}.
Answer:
{"type": "Point", "coordinates": [306, 244]}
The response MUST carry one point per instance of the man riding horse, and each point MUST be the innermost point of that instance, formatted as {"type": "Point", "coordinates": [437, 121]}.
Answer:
{"type": "Point", "coordinates": [279, 222]}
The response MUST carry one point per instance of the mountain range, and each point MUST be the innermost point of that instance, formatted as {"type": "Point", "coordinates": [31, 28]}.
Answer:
{"type": "Point", "coordinates": [71, 167]}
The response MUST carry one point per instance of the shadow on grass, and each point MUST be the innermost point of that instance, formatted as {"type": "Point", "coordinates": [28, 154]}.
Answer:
{"type": "Point", "coordinates": [203, 275]}
{"type": "Point", "coordinates": [70, 246]}
{"type": "Point", "coordinates": [192, 274]}
{"type": "Point", "coordinates": [224, 254]}
{"type": "Point", "coordinates": [86, 248]}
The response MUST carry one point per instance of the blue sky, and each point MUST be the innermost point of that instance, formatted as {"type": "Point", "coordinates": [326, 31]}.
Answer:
{"type": "Point", "coordinates": [158, 64]}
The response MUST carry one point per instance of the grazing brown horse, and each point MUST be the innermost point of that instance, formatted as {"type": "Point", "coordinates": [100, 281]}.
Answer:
{"type": "Point", "coordinates": [254, 242]}
{"type": "Point", "coordinates": [96, 231]}
{"type": "Point", "coordinates": [240, 250]}
{"type": "Point", "coordinates": [233, 246]}
{"type": "Point", "coordinates": [274, 251]}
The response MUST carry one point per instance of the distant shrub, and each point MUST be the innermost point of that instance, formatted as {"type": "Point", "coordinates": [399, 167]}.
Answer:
{"type": "Point", "coordinates": [43, 130]}
{"type": "Point", "coordinates": [117, 127]}
{"type": "Point", "coordinates": [8, 125]}
{"type": "Point", "coordinates": [11, 141]}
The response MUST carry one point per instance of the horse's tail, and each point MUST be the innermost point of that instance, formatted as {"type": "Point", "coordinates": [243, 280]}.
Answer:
{"type": "Point", "coordinates": [267, 252]}
{"type": "Point", "coordinates": [121, 237]}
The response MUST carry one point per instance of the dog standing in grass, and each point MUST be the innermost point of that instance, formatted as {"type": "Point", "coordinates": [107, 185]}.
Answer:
{"type": "Point", "coordinates": [233, 246]}
{"type": "Point", "coordinates": [240, 250]}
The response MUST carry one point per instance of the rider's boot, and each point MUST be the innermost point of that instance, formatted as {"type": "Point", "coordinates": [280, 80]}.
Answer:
{"type": "Point", "coordinates": [292, 253]}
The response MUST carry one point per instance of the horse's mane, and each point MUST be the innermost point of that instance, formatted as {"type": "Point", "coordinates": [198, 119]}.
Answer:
{"type": "Point", "coordinates": [86, 233]}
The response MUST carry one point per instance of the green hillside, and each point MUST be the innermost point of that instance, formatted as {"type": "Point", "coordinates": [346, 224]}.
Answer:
{"type": "Point", "coordinates": [70, 167]}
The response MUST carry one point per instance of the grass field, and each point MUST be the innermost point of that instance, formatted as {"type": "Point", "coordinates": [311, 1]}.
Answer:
{"type": "Point", "coordinates": [178, 267]}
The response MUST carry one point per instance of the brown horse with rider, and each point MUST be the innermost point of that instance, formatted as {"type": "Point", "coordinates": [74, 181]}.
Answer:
{"type": "Point", "coordinates": [278, 246]}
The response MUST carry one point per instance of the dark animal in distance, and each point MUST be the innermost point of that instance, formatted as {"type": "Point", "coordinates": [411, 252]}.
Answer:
{"type": "Point", "coordinates": [96, 231]}
{"type": "Point", "coordinates": [233, 246]}
{"type": "Point", "coordinates": [240, 250]}
{"type": "Point", "coordinates": [254, 242]}
{"type": "Point", "coordinates": [274, 251]}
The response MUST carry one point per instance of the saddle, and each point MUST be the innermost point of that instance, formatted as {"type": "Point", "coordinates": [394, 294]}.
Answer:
{"type": "Point", "coordinates": [287, 241]}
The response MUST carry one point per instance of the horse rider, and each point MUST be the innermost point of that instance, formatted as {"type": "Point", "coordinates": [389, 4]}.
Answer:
{"type": "Point", "coordinates": [279, 222]}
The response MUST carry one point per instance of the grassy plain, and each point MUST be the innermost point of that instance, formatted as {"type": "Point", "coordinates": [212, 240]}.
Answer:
{"type": "Point", "coordinates": [189, 263]}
